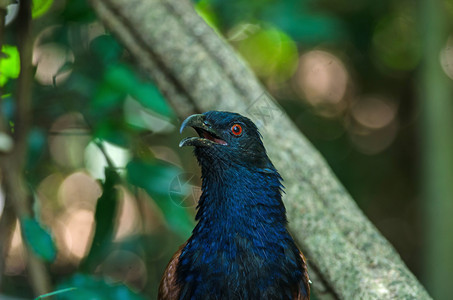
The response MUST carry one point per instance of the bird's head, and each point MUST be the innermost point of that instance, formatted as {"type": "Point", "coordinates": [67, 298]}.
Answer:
{"type": "Point", "coordinates": [226, 139]}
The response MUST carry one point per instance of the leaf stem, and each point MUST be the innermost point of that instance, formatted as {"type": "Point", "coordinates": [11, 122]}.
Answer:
{"type": "Point", "coordinates": [55, 293]}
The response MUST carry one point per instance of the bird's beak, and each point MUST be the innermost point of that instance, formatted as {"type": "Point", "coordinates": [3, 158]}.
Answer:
{"type": "Point", "coordinates": [208, 136]}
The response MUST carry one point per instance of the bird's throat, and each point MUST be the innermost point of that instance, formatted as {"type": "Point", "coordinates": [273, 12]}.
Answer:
{"type": "Point", "coordinates": [240, 213]}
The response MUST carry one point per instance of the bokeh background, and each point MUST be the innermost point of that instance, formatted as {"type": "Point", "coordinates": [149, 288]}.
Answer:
{"type": "Point", "coordinates": [102, 148]}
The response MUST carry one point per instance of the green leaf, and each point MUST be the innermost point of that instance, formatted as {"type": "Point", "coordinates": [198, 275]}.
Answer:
{"type": "Point", "coordinates": [270, 52]}
{"type": "Point", "coordinates": [78, 11]}
{"type": "Point", "coordinates": [36, 145]}
{"type": "Point", "coordinates": [302, 23]}
{"type": "Point", "coordinates": [89, 287]}
{"type": "Point", "coordinates": [122, 78]}
{"type": "Point", "coordinates": [107, 49]}
{"type": "Point", "coordinates": [113, 131]}
{"type": "Point", "coordinates": [106, 208]}
{"type": "Point", "coordinates": [150, 97]}
{"type": "Point", "coordinates": [396, 41]}
{"type": "Point", "coordinates": [107, 99]}
{"type": "Point", "coordinates": [38, 239]}
{"type": "Point", "coordinates": [9, 63]}
{"type": "Point", "coordinates": [205, 10]}
{"type": "Point", "coordinates": [40, 7]}
{"type": "Point", "coordinates": [155, 178]}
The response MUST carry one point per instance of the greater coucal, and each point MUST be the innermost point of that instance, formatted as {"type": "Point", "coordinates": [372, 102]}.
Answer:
{"type": "Point", "coordinates": [240, 247]}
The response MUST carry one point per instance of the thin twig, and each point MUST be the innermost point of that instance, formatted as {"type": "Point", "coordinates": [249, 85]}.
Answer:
{"type": "Point", "coordinates": [7, 221]}
{"type": "Point", "coordinates": [13, 163]}
{"type": "Point", "coordinates": [2, 28]}
{"type": "Point", "coordinates": [104, 152]}
{"type": "Point", "coordinates": [2, 23]}
{"type": "Point", "coordinates": [56, 293]}
{"type": "Point", "coordinates": [7, 216]}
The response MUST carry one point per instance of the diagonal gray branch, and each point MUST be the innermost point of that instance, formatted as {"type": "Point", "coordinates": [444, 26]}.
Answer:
{"type": "Point", "coordinates": [197, 70]}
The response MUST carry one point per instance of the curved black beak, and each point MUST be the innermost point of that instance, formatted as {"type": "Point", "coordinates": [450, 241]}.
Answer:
{"type": "Point", "coordinates": [208, 136]}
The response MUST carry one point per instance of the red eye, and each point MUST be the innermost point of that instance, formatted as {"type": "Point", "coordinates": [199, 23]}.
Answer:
{"type": "Point", "coordinates": [236, 129]}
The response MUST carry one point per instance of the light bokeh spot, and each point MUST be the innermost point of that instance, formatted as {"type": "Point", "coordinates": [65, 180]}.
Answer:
{"type": "Point", "coordinates": [322, 79]}
{"type": "Point", "coordinates": [68, 138]}
{"type": "Point", "coordinates": [446, 57]}
{"type": "Point", "coordinates": [374, 112]}
{"type": "Point", "coordinates": [53, 63]}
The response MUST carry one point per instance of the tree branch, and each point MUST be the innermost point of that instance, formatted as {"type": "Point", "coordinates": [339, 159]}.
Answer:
{"type": "Point", "coordinates": [195, 68]}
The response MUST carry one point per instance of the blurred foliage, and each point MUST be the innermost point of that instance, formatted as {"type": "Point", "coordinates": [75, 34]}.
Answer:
{"type": "Point", "coordinates": [155, 178]}
{"type": "Point", "coordinates": [40, 7]}
{"type": "Point", "coordinates": [395, 41]}
{"type": "Point", "coordinates": [9, 63]}
{"type": "Point", "coordinates": [38, 239]}
{"type": "Point", "coordinates": [87, 89]}
{"type": "Point", "coordinates": [106, 209]}
{"type": "Point", "coordinates": [80, 70]}
{"type": "Point", "coordinates": [88, 287]}
{"type": "Point", "coordinates": [270, 52]}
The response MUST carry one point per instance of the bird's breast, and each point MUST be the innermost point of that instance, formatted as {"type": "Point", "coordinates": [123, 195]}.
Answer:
{"type": "Point", "coordinates": [234, 266]}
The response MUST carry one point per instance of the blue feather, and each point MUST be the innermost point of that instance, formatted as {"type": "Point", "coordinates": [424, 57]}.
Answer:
{"type": "Point", "coordinates": [240, 247]}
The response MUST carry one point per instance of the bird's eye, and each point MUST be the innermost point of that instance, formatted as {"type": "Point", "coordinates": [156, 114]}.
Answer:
{"type": "Point", "coordinates": [236, 129]}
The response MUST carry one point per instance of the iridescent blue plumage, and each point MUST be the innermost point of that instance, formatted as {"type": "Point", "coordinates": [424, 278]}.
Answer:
{"type": "Point", "coordinates": [240, 247]}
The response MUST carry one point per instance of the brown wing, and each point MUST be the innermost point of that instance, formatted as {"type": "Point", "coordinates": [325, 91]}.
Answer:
{"type": "Point", "coordinates": [305, 282]}
{"type": "Point", "coordinates": [168, 288]}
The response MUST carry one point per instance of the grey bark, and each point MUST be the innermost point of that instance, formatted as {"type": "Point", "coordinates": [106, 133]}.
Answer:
{"type": "Point", "coordinates": [198, 71]}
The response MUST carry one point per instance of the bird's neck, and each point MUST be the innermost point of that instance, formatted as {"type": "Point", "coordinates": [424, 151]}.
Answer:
{"type": "Point", "coordinates": [240, 201]}
{"type": "Point", "coordinates": [240, 241]}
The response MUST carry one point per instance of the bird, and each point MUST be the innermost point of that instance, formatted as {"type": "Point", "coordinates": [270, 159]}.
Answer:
{"type": "Point", "coordinates": [240, 247]}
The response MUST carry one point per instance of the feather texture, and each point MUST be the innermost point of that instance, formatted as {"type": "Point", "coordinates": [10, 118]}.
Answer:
{"type": "Point", "coordinates": [240, 247]}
